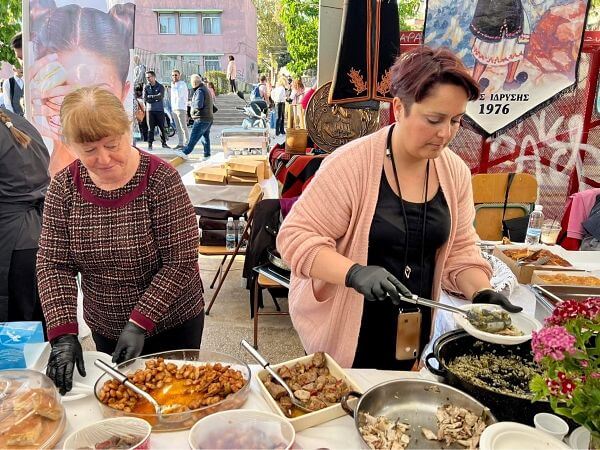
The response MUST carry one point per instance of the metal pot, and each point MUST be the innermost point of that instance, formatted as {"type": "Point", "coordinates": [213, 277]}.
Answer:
{"type": "Point", "coordinates": [276, 260]}
{"type": "Point", "coordinates": [414, 402]}
{"type": "Point", "coordinates": [505, 407]}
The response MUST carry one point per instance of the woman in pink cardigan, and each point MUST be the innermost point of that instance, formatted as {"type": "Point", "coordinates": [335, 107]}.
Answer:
{"type": "Point", "coordinates": [389, 214]}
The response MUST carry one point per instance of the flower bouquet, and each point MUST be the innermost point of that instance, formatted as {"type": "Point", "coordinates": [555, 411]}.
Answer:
{"type": "Point", "coordinates": [568, 350]}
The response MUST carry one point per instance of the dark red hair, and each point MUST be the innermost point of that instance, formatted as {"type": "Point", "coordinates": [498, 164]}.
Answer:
{"type": "Point", "coordinates": [417, 72]}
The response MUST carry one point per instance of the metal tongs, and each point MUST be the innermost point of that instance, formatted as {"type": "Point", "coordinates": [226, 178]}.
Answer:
{"type": "Point", "coordinates": [266, 365]}
{"type": "Point", "coordinates": [489, 321]}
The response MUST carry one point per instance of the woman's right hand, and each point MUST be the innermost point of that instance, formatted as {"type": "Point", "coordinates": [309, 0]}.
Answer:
{"type": "Point", "coordinates": [376, 283]}
{"type": "Point", "coordinates": [66, 353]}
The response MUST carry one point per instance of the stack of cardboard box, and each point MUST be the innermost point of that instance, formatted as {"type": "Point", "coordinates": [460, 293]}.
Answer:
{"type": "Point", "coordinates": [238, 170]}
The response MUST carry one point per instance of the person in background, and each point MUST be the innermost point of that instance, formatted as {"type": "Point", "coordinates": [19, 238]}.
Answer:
{"type": "Point", "coordinates": [141, 116]}
{"type": "Point", "coordinates": [297, 91]}
{"type": "Point", "coordinates": [17, 45]}
{"type": "Point", "coordinates": [231, 74]}
{"type": "Point", "coordinates": [12, 92]}
{"type": "Point", "coordinates": [211, 88]}
{"type": "Point", "coordinates": [154, 93]}
{"type": "Point", "coordinates": [202, 113]}
{"type": "Point", "coordinates": [389, 215]}
{"type": "Point", "coordinates": [24, 181]}
{"type": "Point", "coordinates": [179, 99]}
{"type": "Point", "coordinates": [278, 96]}
{"type": "Point", "coordinates": [139, 72]}
{"type": "Point", "coordinates": [121, 218]}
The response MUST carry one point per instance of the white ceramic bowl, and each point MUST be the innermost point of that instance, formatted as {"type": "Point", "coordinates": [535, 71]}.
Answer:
{"type": "Point", "coordinates": [136, 430]}
{"type": "Point", "coordinates": [521, 321]}
{"type": "Point", "coordinates": [512, 435]}
{"type": "Point", "coordinates": [242, 428]}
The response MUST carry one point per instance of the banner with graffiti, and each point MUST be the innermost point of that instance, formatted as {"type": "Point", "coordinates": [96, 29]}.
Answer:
{"type": "Point", "coordinates": [70, 44]}
{"type": "Point", "coordinates": [522, 53]}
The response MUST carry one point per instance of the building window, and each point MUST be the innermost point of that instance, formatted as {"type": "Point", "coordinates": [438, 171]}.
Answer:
{"type": "Point", "coordinates": [167, 64]}
{"type": "Point", "coordinates": [211, 23]}
{"type": "Point", "coordinates": [188, 23]}
{"type": "Point", "coordinates": [166, 23]}
{"type": "Point", "coordinates": [212, 63]}
{"type": "Point", "coordinates": [192, 64]}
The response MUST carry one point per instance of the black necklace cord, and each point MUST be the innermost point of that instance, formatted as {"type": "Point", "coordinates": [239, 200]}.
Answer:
{"type": "Point", "coordinates": [407, 271]}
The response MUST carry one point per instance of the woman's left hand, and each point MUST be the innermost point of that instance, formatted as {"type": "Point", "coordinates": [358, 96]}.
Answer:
{"type": "Point", "coordinates": [495, 298]}
{"type": "Point", "coordinates": [130, 343]}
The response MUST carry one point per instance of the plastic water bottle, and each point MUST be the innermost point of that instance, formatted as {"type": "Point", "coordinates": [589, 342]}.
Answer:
{"type": "Point", "coordinates": [534, 229]}
{"type": "Point", "coordinates": [241, 226]}
{"type": "Point", "coordinates": [230, 234]}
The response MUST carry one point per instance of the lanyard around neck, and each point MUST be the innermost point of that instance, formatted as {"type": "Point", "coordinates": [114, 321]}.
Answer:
{"type": "Point", "coordinates": [407, 268]}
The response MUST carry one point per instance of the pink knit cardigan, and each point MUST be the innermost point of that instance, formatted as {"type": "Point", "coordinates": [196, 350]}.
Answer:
{"type": "Point", "coordinates": [336, 210]}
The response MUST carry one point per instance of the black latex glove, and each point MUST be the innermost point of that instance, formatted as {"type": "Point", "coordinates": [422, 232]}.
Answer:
{"type": "Point", "coordinates": [130, 343]}
{"type": "Point", "coordinates": [375, 283]}
{"type": "Point", "coordinates": [65, 354]}
{"type": "Point", "coordinates": [496, 298]}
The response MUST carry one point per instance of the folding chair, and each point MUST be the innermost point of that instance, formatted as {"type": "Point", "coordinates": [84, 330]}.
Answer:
{"type": "Point", "coordinates": [488, 196]}
{"type": "Point", "coordinates": [222, 271]}
{"type": "Point", "coordinates": [266, 279]}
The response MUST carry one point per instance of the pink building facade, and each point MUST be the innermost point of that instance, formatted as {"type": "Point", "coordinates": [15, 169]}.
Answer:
{"type": "Point", "coordinates": [197, 34]}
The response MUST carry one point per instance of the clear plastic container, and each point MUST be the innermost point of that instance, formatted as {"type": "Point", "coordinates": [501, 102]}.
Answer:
{"type": "Point", "coordinates": [116, 433]}
{"type": "Point", "coordinates": [230, 234]}
{"type": "Point", "coordinates": [242, 428]}
{"type": "Point", "coordinates": [31, 413]}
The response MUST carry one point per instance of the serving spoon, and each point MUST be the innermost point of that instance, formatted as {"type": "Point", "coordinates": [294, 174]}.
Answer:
{"type": "Point", "coordinates": [266, 365]}
{"type": "Point", "coordinates": [160, 411]}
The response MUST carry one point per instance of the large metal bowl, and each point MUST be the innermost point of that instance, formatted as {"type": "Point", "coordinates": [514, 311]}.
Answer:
{"type": "Point", "coordinates": [414, 402]}
{"type": "Point", "coordinates": [183, 420]}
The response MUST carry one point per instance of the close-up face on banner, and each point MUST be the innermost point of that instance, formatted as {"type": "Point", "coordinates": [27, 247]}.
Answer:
{"type": "Point", "coordinates": [74, 44]}
{"type": "Point", "coordinates": [522, 53]}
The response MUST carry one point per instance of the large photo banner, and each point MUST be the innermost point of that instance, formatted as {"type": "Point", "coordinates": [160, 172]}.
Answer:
{"type": "Point", "coordinates": [73, 44]}
{"type": "Point", "coordinates": [522, 53]}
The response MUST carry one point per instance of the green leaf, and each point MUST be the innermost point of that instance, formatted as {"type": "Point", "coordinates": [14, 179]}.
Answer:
{"type": "Point", "coordinates": [9, 26]}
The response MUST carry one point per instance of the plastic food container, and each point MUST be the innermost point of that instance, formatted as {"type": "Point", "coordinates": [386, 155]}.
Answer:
{"type": "Point", "coordinates": [31, 414]}
{"type": "Point", "coordinates": [243, 428]}
{"type": "Point", "coordinates": [117, 433]}
{"type": "Point", "coordinates": [313, 418]}
{"type": "Point", "coordinates": [186, 419]}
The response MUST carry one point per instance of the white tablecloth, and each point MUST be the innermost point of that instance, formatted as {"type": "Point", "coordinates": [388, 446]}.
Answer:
{"type": "Point", "coordinates": [336, 434]}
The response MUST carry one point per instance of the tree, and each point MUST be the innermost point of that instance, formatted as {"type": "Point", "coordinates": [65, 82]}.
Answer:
{"type": "Point", "coordinates": [408, 10]}
{"type": "Point", "coordinates": [300, 19]}
{"type": "Point", "coordinates": [271, 35]}
{"type": "Point", "coordinates": [9, 26]}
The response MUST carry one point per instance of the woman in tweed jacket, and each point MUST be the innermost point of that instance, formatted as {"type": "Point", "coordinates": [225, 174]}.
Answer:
{"type": "Point", "coordinates": [123, 220]}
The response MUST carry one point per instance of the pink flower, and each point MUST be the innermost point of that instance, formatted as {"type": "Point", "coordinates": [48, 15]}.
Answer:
{"type": "Point", "coordinates": [554, 341]}
{"type": "Point", "coordinates": [553, 386]}
{"type": "Point", "coordinates": [567, 387]}
{"type": "Point", "coordinates": [584, 363]}
{"type": "Point", "coordinates": [592, 306]}
{"type": "Point", "coordinates": [569, 309]}
{"type": "Point", "coordinates": [596, 375]}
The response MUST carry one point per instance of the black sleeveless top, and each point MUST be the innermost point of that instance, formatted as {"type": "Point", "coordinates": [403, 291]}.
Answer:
{"type": "Point", "coordinates": [387, 239]}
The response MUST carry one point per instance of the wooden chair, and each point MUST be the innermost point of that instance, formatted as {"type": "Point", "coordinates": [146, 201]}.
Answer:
{"type": "Point", "coordinates": [223, 271]}
{"type": "Point", "coordinates": [488, 196]}
{"type": "Point", "coordinates": [265, 281]}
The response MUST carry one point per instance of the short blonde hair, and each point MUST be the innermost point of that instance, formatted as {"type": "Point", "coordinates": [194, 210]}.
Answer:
{"type": "Point", "coordinates": [195, 80]}
{"type": "Point", "coordinates": [90, 114]}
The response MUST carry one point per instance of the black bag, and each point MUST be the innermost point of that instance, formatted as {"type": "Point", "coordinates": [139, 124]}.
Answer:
{"type": "Point", "coordinates": [213, 237]}
{"type": "Point", "coordinates": [215, 109]}
{"type": "Point", "coordinates": [206, 223]}
{"type": "Point", "coordinates": [514, 229]}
